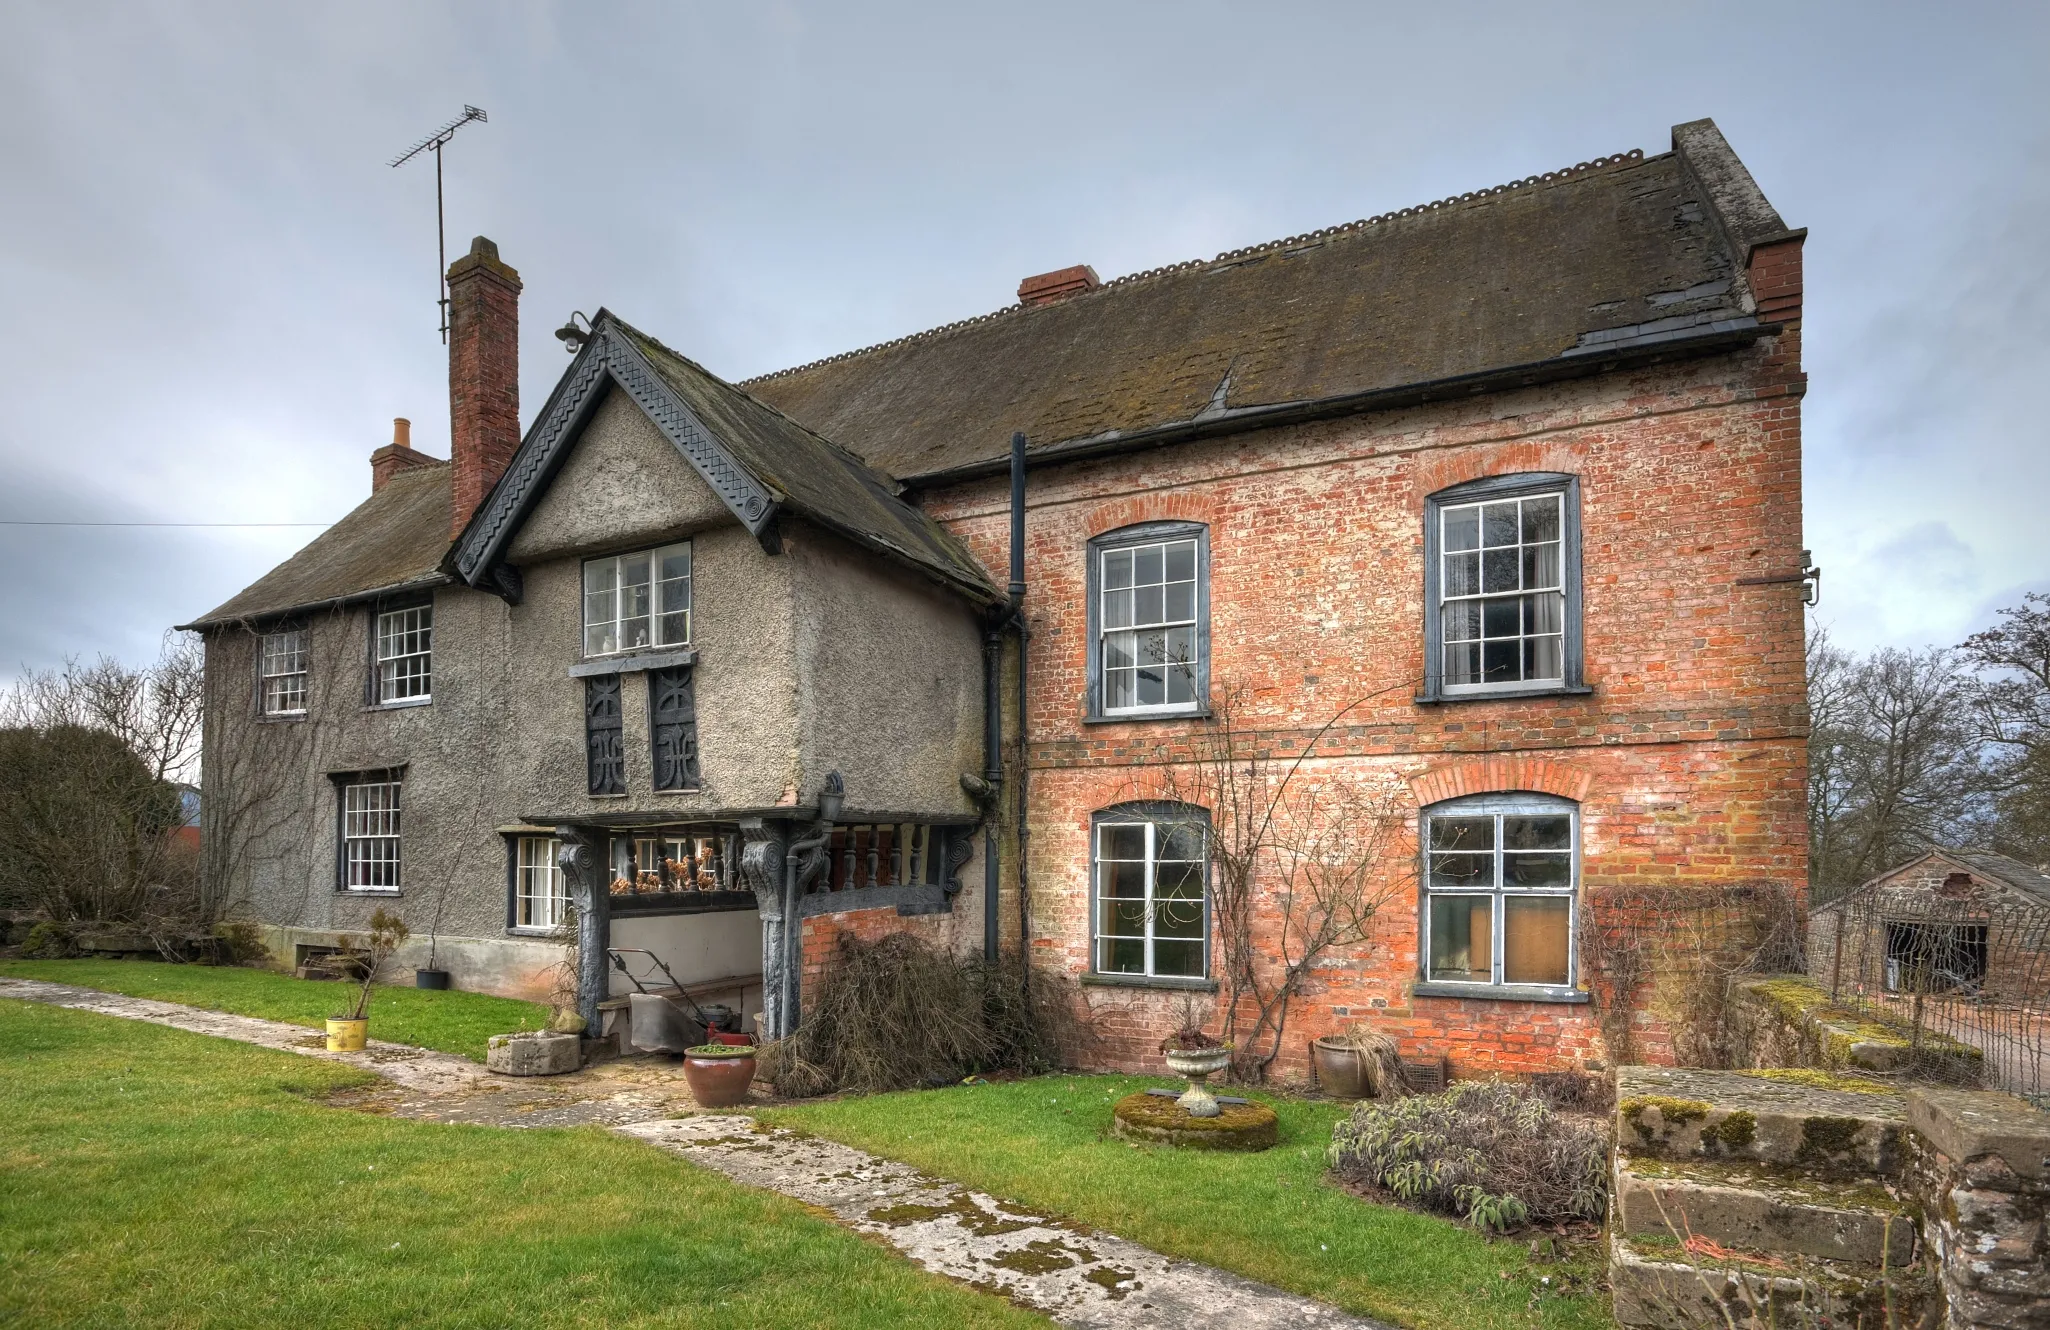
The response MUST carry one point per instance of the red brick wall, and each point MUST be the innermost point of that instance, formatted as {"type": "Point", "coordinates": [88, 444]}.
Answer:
{"type": "Point", "coordinates": [1689, 757]}
{"type": "Point", "coordinates": [483, 376]}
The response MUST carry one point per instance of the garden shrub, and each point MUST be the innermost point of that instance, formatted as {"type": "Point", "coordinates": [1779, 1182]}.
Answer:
{"type": "Point", "coordinates": [1491, 1152]}
{"type": "Point", "coordinates": [899, 1013]}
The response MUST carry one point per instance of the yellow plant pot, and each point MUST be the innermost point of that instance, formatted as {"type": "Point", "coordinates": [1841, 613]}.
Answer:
{"type": "Point", "coordinates": [347, 1036]}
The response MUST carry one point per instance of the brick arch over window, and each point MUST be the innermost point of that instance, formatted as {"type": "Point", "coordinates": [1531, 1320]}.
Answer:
{"type": "Point", "coordinates": [1462, 465]}
{"type": "Point", "coordinates": [1179, 506]}
{"type": "Point", "coordinates": [1493, 775]}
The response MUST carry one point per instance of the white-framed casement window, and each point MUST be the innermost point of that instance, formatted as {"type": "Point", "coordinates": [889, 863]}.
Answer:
{"type": "Point", "coordinates": [636, 601]}
{"type": "Point", "coordinates": [1149, 601]}
{"type": "Point", "coordinates": [1503, 606]}
{"type": "Point", "coordinates": [540, 900]}
{"type": "Point", "coordinates": [1502, 587]}
{"type": "Point", "coordinates": [1152, 911]}
{"type": "Point", "coordinates": [281, 673]}
{"type": "Point", "coordinates": [1501, 874]}
{"type": "Point", "coordinates": [370, 833]}
{"type": "Point", "coordinates": [405, 654]}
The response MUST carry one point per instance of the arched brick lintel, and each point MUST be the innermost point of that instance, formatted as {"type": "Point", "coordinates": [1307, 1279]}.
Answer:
{"type": "Point", "coordinates": [1496, 775]}
{"type": "Point", "coordinates": [1172, 506]}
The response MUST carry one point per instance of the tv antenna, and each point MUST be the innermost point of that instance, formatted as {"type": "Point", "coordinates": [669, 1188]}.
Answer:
{"type": "Point", "coordinates": [434, 143]}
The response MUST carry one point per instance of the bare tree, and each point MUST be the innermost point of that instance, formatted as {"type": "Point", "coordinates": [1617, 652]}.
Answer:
{"type": "Point", "coordinates": [1302, 856]}
{"type": "Point", "coordinates": [2011, 704]}
{"type": "Point", "coordinates": [89, 808]}
{"type": "Point", "coordinates": [1894, 760]}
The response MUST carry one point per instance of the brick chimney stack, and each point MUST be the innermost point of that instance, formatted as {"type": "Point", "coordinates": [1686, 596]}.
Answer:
{"type": "Point", "coordinates": [396, 456]}
{"type": "Point", "coordinates": [1048, 287]}
{"type": "Point", "coordinates": [483, 376]}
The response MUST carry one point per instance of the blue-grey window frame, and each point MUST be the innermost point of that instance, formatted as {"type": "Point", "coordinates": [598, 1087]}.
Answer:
{"type": "Point", "coordinates": [1511, 803]}
{"type": "Point", "coordinates": [1147, 533]}
{"type": "Point", "coordinates": [1523, 485]}
{"type": "Point", "coordinates": [1155, 811]}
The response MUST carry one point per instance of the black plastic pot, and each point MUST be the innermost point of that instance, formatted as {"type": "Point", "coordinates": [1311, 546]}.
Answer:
{"type": "Point", "coordinates": [430, 978]}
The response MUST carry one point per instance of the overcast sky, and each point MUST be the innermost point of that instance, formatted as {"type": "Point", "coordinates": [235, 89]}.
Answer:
{"type": "Point", "coordinates": [217, 295]}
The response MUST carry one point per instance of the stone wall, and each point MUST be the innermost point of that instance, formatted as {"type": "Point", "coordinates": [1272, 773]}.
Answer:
{"type": "Point", "coordinates": [1981, 1169]}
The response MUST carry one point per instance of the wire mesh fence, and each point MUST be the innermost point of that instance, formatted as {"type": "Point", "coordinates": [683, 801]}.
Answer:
{"type": "Point", "coordinates": [1966, 981]}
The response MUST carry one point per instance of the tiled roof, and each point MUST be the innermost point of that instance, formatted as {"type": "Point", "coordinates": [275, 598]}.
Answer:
{"type": "Point", "coordinates": [1612, 253]}
{"type": "Point", "coordinates": [394, 539]}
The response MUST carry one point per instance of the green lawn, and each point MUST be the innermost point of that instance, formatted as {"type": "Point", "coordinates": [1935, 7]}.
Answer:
{"type": "Point", "coordinates": [150, 1177]}
{"type": "Point", "coordinates": [1269, 1216]}
{"type": "Point", "coordinates": [450, 1021]}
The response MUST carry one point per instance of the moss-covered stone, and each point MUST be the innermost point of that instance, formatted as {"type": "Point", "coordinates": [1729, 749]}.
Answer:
{"type": "Point", "coordinates": [1156, 1120]}
{"type": "Point", "coordinates": [1819, 1079]}
{"type": "Point", "coordinates": [1736, 1131]}
{"type": "Point", "coordinates": [1671, 1110]}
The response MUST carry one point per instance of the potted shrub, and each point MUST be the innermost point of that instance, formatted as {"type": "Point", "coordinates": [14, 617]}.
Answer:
{"type": "Point", "coordinates": [1192, 1053]}
{"type": "Point", "coordinates": [349, 1030]}
{"type": "Point", "coordinates": [719, 1074]}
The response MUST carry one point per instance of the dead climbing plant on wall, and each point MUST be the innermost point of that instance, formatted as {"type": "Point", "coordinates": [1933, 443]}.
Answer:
{"type": "Point", "coordinates": [1303, 854]}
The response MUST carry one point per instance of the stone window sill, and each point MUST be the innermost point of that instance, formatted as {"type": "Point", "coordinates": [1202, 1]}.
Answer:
{"type": "Point", "coordinates": [1141, 717]}
{"type": "Point", "coordinates": [634, 662]}
{"type": "Point", "coordinates": [1506, 695]}
{"type": "Point", "coordinates": [403, 704]}
{"type": "Point", "coordinates": [1175, 983]}
{"type": "Point", "coordinates": [1501, 992]}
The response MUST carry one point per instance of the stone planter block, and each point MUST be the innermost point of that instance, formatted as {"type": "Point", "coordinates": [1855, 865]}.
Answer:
{"type": "Point", "coordinates": [539, 1053]}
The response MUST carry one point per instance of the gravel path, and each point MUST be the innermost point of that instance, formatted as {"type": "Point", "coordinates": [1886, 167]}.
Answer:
{"type": "Point", "coordinates": [1077, 1276]}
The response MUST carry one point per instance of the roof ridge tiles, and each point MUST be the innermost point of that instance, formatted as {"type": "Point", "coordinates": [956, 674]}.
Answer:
{"type": "Point", "coordinates": [1626, 158]}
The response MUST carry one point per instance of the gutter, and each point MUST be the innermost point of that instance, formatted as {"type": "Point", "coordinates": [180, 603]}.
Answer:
{"type": "Point", "coordinates": [437, 578]}
{"type": "Point", "coordinates": [1576, 363]}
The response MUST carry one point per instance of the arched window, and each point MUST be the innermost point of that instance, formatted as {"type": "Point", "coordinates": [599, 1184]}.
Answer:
{"type": "Point", "coordinates": [1150, 911]}
{"type": "Point", "coordinates": [1502, 588]}
{"type": "Point", "coordinates": [1501, 873]}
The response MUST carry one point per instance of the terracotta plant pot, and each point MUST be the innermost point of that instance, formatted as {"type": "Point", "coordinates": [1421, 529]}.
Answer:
{"type": "Point", "coordinates": [347, 1036]}
{"type": "Point", "coordinates": [1340, 1068]}
{"type": "Point", "coordinates": [719, 1074]}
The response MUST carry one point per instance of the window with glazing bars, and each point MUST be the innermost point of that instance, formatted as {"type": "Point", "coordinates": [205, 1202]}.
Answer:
{"type": "Point", "coordinates": [1152, 907]}
{"type": "Point", "coordinates": [1502, 607]}
{"type": "Point", "coordinates": [633, 601]}
{"type": "Point", "coordinates": [540, 900]}
{"type": "Point", "coordinates": [370, 835]}
{"type": "Point", "coordinates": [1148, 626]}
{"type": "Point", "coordinates": [405, 654]}
{"type": "Point", "coordinates": [282, 671]}
{"type": "Point", "coordinates": [1500, 877]}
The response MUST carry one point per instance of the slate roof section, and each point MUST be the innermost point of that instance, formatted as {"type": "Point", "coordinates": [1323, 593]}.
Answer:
{"type": "Point", "coordinates": [818, 478]}
{"type": "Point", "coordinates": [1988, 864]}
{"type": "Point", "coordinates": [759, 461]}
{"type": "Point", "coordinates": [392, 541]}
{"type": "Point", "coordinates": [1627, 252]}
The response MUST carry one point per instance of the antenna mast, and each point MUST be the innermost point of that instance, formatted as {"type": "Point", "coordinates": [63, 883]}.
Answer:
{"type": "Point", "coordinates": [434, 143]}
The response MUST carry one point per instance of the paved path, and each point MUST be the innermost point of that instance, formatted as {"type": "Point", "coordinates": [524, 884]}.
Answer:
{"type": "Point", "coordinates": [1077, 1276]}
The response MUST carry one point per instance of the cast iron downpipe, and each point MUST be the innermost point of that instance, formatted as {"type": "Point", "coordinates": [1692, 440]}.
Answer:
{"type": "Point", "coordinates": [1018, 625]}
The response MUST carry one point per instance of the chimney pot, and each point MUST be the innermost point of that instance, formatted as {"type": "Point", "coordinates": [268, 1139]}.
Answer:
{"type": "Point", "coordinates": [1048, 287]}
{"type": "Point", "coordinates": [396, 456]}
{"type": "Point", "coordinates": [483, 376]}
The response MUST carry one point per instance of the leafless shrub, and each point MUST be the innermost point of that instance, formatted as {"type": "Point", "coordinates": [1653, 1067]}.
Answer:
{"type": "Point", "coordinates": [899, 1013]}
{"type": "Point", "coordinates": [1302, 858]}
{"type": "Point", "coordinates": [1669, 953]}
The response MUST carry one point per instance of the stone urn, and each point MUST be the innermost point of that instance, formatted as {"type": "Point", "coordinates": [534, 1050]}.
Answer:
{"type": "Point", "coordinates": [719, 1074]}
{"type": "Point", "coordinates": [1198, 1064]}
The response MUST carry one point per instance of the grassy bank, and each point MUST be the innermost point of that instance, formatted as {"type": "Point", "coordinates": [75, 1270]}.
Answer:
{"type": "Point", "coordinates": [449, 1021]}
{"type": "Point", "coordinates": [1269, 1216]}
{"type": "Point", "coordinates": [150, 1177]}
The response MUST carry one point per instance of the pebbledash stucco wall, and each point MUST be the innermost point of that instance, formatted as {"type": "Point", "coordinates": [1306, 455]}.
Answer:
{"type": "Point", "coordinates": [896, 665]}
